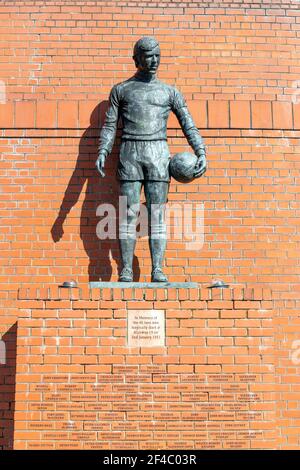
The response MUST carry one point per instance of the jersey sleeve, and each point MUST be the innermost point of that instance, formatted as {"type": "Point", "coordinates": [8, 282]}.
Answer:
{"type": "Point", "coordinates": [109, 128]}
{"type": "Point", "coordinates": [177, 100]}
{"type": "Point", "coordinates": [180, 109]}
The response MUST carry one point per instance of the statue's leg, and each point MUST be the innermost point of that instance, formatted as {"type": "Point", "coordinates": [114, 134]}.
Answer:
{"type": "Point", "coordinates": [156, 193]}
{"type": "Point", "coordinates": [127, 230]}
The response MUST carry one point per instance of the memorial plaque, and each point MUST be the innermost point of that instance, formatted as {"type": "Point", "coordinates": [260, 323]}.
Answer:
{"type": "Point", "coordinates": [138, 378]}
{"type": "Point", "coordinates": [181, 406]}
{"type": "Point", "coordinates": [40, 445]}
{"type": "Point", "coordinates": [146, 328]}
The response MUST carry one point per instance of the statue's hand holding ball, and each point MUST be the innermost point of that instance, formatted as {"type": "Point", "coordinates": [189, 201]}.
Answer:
{"type": "Point", "coordinates": [200, 167]}
{"type": "Point", "coordinates": [185, 166]}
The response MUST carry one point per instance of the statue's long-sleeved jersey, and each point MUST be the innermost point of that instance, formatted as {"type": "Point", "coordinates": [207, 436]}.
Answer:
{"type": "Point", "coordinates": [144, 107]}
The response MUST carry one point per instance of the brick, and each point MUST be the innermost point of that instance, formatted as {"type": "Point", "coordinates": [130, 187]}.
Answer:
{"type": "Point", "coordinates": [88, 113]}
{"type": "Point", "coordinates": [296, 115]}
{"type": "Point", "coordinates": [240, 114]}
{"type": "Point", "coordinates": [46, 113]}
{"type": "Point", "coordinates": [218, 114]}
{"type": "Point", "coordinates": [261, 115]}
{"type": "Point", "coordinates": [282, 115]}
{"type": "Point", "coordinates": [67, 114]}
{"type": "Point", "coordinates": [7, 114]}
{"type": "Point", "coordinates": [198, 110]}
{"type": "Point", "coordinates": [24, 114]}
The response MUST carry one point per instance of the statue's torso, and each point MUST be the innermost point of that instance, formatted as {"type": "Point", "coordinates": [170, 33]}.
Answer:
{"type": "Point", "coordinates": [144, 108]}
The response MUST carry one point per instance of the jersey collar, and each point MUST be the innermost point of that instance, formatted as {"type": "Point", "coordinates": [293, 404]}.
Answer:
{"type": "Point", "coordinates": [145, 77]}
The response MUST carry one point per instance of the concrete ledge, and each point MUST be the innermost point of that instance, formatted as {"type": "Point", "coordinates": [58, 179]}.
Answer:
{"type": "Point", "coordinates": [148, 285]}
{"type": "Point", "coordinates": [136, 291]}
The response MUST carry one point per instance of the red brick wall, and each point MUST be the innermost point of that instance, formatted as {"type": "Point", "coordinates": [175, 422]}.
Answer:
{"type": "Point", "coordinates": [80, 386]}
{"type": "Point", "coordinates": [237, 64]}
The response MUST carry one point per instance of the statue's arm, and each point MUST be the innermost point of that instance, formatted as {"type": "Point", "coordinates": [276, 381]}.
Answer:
{"type": "Point", "coordinates": [190, 131]}
{"type": "Point", "coordinates": [108, 131]}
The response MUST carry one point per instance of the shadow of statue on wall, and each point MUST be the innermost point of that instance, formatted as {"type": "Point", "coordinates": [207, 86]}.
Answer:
{"type": "Point", "coordinates": [8, 348]}
{"type": "Point", "coordinates": [98, 191]}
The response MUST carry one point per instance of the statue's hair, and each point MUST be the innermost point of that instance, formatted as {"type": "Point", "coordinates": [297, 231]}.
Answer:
{"type": "Point", "coordinates": [147, 43]}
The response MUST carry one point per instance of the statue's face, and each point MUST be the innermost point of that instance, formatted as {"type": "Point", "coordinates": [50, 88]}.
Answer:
{"type": "Point", "coordinates": [149, 60]}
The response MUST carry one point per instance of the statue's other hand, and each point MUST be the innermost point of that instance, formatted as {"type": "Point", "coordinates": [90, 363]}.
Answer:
{"type": "Point", "coordinates": [100, 164]}
{"type": "Point", "coordinates": [200, 167]}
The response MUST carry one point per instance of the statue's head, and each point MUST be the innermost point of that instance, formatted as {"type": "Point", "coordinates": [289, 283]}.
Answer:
{"type": "Point", "coordinates": [146, 54]}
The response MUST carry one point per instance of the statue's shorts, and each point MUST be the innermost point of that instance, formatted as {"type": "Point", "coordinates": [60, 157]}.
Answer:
{"type": "Point", "coordinates": [144, 160]}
